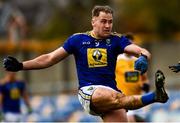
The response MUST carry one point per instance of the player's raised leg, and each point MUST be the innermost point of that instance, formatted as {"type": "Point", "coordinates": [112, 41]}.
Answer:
{"type": "Point", "coordinates": [105, 100]}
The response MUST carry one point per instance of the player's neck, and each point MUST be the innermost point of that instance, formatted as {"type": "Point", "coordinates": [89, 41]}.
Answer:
{"type": "Point", "coordinates": [94, 35]}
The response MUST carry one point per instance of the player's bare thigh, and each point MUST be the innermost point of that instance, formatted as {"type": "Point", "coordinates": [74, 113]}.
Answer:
{"type": "Point", "coordinates": [106, 99]}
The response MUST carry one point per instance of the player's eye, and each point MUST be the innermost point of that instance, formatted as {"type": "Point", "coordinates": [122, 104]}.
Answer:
{"type": "Point", "coordinates": [103, 21]}
{"type": "Point", "coordinates": [110, 21]}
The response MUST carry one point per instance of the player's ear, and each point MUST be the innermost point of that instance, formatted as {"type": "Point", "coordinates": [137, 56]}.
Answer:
{"type": "Point", "coordinates": [93, 21]}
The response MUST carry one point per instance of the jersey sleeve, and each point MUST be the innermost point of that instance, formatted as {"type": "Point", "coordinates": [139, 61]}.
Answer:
{"type": "Point", "coordinates": [69, 44]}
{"type": "Point", "coordinates": [124, 42]}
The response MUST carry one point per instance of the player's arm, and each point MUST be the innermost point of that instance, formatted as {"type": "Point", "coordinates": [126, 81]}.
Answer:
{"type": "Point", "coordinates": [137, 51]}
{"type": "Point", "coordinates": [45, 60]}
{"type": "Point", "coordinates": [40, 62]}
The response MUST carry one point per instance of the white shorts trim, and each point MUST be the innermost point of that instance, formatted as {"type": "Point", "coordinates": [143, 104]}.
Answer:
{"type": "Point", "coordinates": [85, 94]}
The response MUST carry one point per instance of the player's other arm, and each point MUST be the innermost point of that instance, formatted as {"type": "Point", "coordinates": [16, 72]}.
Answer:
{"type": "Point", "coordinates": [40, 62]}
{"type": "Point", "coordinates": [137, 51]}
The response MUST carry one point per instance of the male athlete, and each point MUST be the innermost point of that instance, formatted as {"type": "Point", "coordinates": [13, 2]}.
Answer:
{"type": "Point", "coordinates": [95, 54]}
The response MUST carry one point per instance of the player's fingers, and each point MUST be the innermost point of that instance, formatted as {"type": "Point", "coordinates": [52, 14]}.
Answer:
{"type": "Point", "coordinates": [172, 68]}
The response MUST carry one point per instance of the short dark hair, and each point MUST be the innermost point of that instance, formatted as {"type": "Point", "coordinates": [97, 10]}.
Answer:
{"type": "Point", "coordinates": [97, 9]}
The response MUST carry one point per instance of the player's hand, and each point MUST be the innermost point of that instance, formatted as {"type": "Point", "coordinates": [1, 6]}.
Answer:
{"type": "Point", "coordinates": [12, 64]}
{"type": "Point", "coordinates": [141, 64]}
{"type": "Point", "coordinates": [175, 68]}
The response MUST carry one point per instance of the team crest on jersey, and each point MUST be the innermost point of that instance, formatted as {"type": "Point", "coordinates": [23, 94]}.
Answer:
{"type": "Point", "coordinates": [108, 42]}
{"type": "Point", "coordinates": [97, 57]}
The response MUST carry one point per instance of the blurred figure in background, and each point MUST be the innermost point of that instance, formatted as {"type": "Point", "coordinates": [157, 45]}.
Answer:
{"type": "Point", "coordinates": [17, 28]}
{"type": "Point", "coordinates": [12, 91]}
{"type": "Point", "coordinates": [175, 68]}
{"type": "Point", "coordinates": [13, 25]}
{"type": "Point", "coordinates": [129, 80]}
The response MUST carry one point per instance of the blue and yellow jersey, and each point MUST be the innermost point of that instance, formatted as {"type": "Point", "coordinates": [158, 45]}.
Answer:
{"type": "Point", "coordinates": [128, 80]}
{"type": "Point", "coordinates": [11, 94]}
{"type": "Point", "coordinates": [96, 58]}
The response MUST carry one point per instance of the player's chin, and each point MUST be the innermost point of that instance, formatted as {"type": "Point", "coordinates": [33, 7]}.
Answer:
{"type": "Point", "coordinates": [107, 34]}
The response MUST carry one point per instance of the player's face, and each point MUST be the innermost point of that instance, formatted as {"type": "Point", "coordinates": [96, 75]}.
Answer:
{"type": "Point", "coordinates": [102, 25]}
